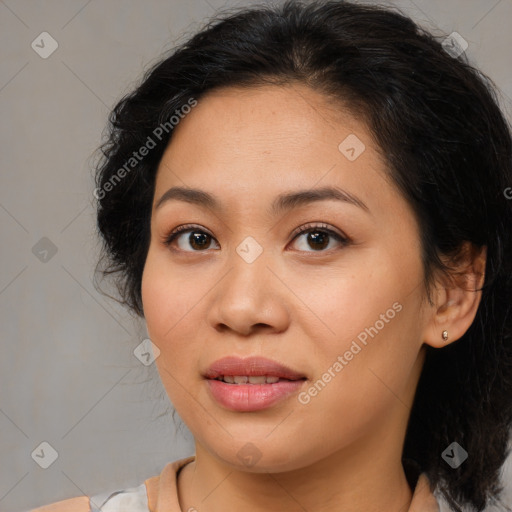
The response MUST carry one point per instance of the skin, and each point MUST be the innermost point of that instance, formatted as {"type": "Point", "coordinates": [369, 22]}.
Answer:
{"type": "Point", "coordinates": [297, 304]}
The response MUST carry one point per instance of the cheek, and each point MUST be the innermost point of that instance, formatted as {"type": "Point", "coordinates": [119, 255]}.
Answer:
{"type": "Point", "coordinates": [370, 341]}
{"type": "Point", "coordinates": [168, 300]}
{"type": "Point", "coordinates": [173, 301]}
{"type": "Point", "coordinates": [344, 302]}
{"type": "Point", "coordinates": [349, 398]}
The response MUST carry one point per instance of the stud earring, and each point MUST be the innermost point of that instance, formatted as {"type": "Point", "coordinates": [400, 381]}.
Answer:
{"type": "Point", "coordinates": [445, 335]}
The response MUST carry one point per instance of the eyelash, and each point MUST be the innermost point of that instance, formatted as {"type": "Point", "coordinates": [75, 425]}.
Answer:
{"type": "Point", "coordinates": [311, 227]}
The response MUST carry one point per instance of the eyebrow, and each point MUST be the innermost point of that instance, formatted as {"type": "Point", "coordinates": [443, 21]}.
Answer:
{"type": "Point", "coordinates": [282, 203]}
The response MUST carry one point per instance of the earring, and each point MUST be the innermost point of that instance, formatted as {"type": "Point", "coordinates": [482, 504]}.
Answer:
{"type": "Point", "coordinates": [445, 335]}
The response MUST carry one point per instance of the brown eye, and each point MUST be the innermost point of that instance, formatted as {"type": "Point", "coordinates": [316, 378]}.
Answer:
{"type": "Point", "coordinates": [318, 238]}
{"type": "Point", "coordinates": [198, 239]}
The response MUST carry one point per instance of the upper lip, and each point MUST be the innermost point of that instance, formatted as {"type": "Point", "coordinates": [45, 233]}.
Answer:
{"type": "Point", "coordinates": [250, 366]}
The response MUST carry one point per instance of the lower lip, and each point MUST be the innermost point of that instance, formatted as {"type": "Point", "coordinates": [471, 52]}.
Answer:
{"type": "Point", "coordinates": [252, 397]}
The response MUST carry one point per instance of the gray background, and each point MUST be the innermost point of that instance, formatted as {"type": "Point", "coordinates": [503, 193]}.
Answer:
{"type": "Point", "coordinates": [68, 375]}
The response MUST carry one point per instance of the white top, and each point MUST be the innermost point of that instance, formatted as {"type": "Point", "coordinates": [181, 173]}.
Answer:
{"type": "Point", "coordinates": [134, 499]}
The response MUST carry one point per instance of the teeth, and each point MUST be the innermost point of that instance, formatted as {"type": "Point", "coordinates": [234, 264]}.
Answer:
{"type": "Point", "coordinates": [257, 380]}
{"type": "Point", "coordinates": [253, 379]}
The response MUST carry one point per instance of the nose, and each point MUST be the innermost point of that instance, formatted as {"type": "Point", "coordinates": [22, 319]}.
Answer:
{"type": "Point", "coordinates": [249, 298]}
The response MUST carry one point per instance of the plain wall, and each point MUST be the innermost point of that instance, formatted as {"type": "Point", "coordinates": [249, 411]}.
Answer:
{"type": "Point", "coordinates": [68, 375]}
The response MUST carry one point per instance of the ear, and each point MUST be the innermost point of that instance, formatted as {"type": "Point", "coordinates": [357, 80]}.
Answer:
{"type": "Point", "coordinates": [456, 302]}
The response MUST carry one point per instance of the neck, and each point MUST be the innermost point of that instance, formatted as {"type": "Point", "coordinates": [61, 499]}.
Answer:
{"type": "Point", "coordinates": [372, 483]}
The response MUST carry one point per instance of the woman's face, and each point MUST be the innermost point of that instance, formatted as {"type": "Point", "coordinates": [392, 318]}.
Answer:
{"type": "Point", "coordinates": [345, 314]}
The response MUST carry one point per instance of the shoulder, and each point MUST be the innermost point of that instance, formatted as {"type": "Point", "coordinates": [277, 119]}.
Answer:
{"type": "Point", "coordinates": [134, 499]}
{"type": "Point", "coordinates": [78, 504]}
{"type": "Point", "coordinates": [158, 490]}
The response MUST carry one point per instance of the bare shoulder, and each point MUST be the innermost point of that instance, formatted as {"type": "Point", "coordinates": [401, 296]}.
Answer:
{"type": "Point", "coordinates": [78, 504]}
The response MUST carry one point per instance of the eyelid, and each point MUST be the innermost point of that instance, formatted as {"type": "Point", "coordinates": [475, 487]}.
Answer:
{"type": "Point", "coordinates": [342, 239]}
{"type": "Point", "coordinates": [321, 226]}
{"type": "Point", "coordinates": [168, 238]}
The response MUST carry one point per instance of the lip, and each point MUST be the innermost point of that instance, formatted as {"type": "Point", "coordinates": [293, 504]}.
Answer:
{"type": "Point", "coordinates": [251, 366]}
{"type": "Point", "coordinates": [251, 397]}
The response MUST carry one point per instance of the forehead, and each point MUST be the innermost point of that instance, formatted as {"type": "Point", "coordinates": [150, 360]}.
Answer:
{"type": "Point", "coordinates": [268, 118]}
{"type": "Point", "coordinates": [254, 142]}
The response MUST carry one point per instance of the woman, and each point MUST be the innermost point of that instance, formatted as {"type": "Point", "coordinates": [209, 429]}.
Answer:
{"type": "Point", "coordinates": [307, 204]}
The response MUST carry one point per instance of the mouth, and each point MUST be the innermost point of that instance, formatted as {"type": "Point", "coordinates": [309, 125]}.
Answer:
{"type": "Point", "coordinates": [251, 384]}
{"type": "Point", "coordinates": [253, 379]}
{"type": "Point", "coordinates": [236, 370]}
